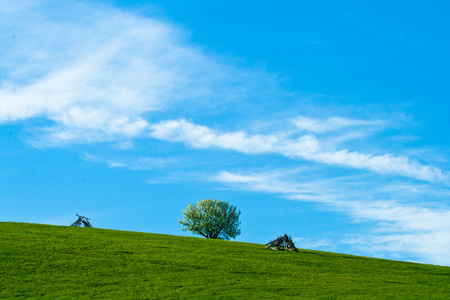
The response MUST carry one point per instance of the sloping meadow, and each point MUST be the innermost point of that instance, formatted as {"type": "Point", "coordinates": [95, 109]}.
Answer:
{"type": "Point", "coordinates": [67, 262]}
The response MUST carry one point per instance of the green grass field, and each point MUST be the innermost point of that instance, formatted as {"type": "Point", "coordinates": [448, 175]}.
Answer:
{"type": "Point", "coordinates": [68, 262]}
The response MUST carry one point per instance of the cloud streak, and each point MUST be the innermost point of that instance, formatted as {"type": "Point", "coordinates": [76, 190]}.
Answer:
{"type": "Point", "coordinates": [96, 76]}
{"type": "Point", "coordinates": [140, 163]}
{"type": "Point", "coordinates": [331, 124]}
{"type": "Point", "coordinates": [101, 77]}
{"type": "Point", "coordinates": [420, 230]}
{"type": "Point", "coordinates": [305, 147]}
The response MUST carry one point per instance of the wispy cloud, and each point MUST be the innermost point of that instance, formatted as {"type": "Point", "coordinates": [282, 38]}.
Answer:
{"type": "Point", "coordinates": [139, 163]}
{"type": "Point", "coordinates": [258, 182]}
{"type": "Point", "coordinates": [199, 136]}
{"type": "Point", "coordinates": [316, 244]}
{"type": "Point", "coordinates": [125, 145]}
{"type": "Point", "coordinates": [330, 124]}
{"type": "Point", "coordinates": [383, 164]}
{"type": "Point", "coordinates": [97, 76]}
{"type": "Point", "coordinates": [305, 147]}
{"type": "Point", "coordinates": [427, 247]}
{"type": "Point", "coordinates": [419, 229]}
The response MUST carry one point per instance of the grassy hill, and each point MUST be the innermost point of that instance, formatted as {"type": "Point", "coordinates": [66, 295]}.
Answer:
{"type": "Point", "coordinates": [68, 262]}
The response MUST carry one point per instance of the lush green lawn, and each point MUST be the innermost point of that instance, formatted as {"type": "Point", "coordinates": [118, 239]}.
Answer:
{"type": "Point", "coordinates": [68, 262]}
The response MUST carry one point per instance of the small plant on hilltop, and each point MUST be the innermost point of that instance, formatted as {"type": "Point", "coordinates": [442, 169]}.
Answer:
{"type": "Point", "coordinates": [212, 219]}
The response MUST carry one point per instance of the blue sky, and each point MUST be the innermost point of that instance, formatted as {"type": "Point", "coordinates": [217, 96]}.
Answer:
{"type": "Point", "coordinates": [327, 121]}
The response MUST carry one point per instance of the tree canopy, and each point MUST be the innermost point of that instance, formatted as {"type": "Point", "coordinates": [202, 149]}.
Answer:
{"type": "Point", "coordinates": [212, 219]}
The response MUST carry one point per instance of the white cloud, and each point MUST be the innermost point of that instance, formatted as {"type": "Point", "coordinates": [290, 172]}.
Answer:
{"type": "Point", "coordinates": [199, 136]}
{"type": "Point", "coordinates": [85, 124]}
{"type": "Point", "coordinates": [257, 182]}
{"type": "Point", "coordinates": [139, 163]}
{"type": "Point", "coordinates": [331, 124]}
{"type": "Point", "coordinates": [398, 228]}
{"type": "Point", "coordinates": [427, 247]}
{"type": "Point", "coordinates": [125, 145]}
{"type": "Point", "coordinates": [152, 181]}
{"type": "Point", "coordinates": [96, 71]}
{"type": "Point", "coordinates": [308, 243]}
{"type": "Point", "coordinates": [401, 217]}
{"type": "Point", "coordinates": [11, 6]}
{"type": "Point", "coordinates": [305, 147]}
{"type": "Point", "coordinates": [383, 164]}
{"type": "Point", "coordinates": [89, 157]}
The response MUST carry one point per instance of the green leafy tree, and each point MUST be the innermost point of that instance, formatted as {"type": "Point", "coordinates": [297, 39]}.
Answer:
{"type": "Point", "coordinates": [212, 219]}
